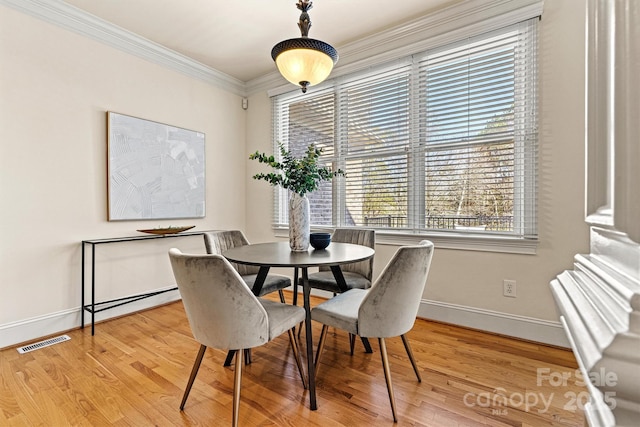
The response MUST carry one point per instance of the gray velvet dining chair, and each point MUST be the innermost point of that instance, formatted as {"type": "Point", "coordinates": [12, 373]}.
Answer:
{"type": "Point", "coordinates": [357, 275]}
{"type": "Point", "coordinates": [216, 242]}
{"type": "Point", "coordinates": [224, 313]}
{"type": "Point", "coordinates": [388, 309]}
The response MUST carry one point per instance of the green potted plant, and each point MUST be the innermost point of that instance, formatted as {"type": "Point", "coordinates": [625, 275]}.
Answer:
{"type": "Point", "coordinates": [300, 176]}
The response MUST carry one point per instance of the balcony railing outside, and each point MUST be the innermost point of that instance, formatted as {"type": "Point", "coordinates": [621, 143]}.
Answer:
{"type": "Point", "coordinates": [445, 222]}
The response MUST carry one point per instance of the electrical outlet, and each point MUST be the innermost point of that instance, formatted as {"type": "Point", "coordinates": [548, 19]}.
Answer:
{"type": "Point", "coordinates": [509, 288]}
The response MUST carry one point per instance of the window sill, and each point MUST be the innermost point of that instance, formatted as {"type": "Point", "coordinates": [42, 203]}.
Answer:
{"type": "Point", "coordinates": [448, 240]}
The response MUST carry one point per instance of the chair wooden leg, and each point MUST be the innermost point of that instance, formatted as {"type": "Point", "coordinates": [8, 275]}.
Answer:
{"type": "Point", "coordinates": [407, 347]}
{"type": "Point", "coordinates": [323, 337]}
{"type": "Point", "coordinates": [231, 353]}
{"type": "Point", "coordinates": [296, 354]}
{"type": "Point", "coordinates": [387, 377]}
{"type": "Point", "coordinates": [194, 372]}
{"type": "Point", "coordinates": [282, 300]}
{"type": "Point", "coordinates": [236, 387]}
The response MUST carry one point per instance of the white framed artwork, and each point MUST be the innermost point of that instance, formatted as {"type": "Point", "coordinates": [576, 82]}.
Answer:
{"type": "Point", "coordinates": [155, 171]}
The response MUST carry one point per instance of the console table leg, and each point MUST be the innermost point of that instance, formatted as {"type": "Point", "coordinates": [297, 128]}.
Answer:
{"type": "Point", "coordinates": [82, 290]}
{"type": "Point", "coordinates": [93, 290]}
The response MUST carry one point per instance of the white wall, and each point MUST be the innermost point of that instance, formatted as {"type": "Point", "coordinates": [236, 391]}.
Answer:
{"type": "Point", "coordinates": [55, 89]}
{"type": "Point", "coordinates": [465, 287]}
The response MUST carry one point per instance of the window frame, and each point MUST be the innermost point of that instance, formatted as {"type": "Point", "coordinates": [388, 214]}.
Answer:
{"type": "Point", "coordinates": [451, 239]}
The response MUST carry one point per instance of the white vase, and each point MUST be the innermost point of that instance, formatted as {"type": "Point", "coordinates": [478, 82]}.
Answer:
{"type": "Point", "coordinates": [299, 228]}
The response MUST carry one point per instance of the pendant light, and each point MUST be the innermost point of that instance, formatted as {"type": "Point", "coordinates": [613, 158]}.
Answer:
{"type": "Point", "coordinates": [304, 61]}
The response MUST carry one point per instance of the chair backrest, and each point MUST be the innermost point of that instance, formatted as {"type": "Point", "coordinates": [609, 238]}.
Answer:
{"type": "Point", "coordinates": [222, 311]}
{"type": "Point", "coordinates": [217, 242]}
{"type": "Point", "coordinates": [358, 236]}
{"type": "Point", "coordinates": [391, 305]}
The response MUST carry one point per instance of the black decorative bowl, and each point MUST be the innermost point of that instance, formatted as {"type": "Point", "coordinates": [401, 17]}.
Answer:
{"type": "Point", "coordinates": [320, 240]}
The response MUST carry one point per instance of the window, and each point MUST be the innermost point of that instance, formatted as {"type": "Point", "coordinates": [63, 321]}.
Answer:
{"type": "Point", "coordinates": [444, 141]}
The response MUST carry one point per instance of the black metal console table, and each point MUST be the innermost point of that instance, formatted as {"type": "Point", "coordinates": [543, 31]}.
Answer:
{"type": "Point", "coordinates": [96, 307]}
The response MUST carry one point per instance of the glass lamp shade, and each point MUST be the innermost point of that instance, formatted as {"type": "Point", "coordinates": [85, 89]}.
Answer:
{"type": "Point", "coordinates": [304, 61]}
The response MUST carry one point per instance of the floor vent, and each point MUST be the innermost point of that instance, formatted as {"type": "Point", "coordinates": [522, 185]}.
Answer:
{"type": "Point", "coordinates": [41, 344]}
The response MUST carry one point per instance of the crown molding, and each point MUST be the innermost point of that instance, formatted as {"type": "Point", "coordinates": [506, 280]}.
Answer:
{"type": "Point", "coordinates": [460, 20]}
{"type": "Point", "coordinates": [85, 24]}
{"type": "Point", "coordinates": [482, 14]}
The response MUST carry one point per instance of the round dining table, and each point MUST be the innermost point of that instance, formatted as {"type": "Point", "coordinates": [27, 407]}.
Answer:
{"type": "Point", "coordinates": [279, 254]}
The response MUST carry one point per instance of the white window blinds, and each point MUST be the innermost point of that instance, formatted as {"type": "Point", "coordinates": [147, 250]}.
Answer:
{"type": "Point", "coordinates": [300, 121]}
{"type": "Point", "coordinates": [445, 140]}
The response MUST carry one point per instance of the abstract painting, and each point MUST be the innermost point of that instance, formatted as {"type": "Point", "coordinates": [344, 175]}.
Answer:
{"type": "Point", "coordinates": [156, 171]}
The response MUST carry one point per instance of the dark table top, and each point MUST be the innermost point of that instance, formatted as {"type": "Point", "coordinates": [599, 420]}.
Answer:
{"type": "Point", "coordinates": [279, 254]}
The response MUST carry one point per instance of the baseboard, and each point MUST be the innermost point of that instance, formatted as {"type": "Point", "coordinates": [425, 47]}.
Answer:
{"type": "Point", "coordinates": [24, 331]}
{"type": "Point", "coordinates": [527, 328]}
{"type": "Point", "coordinates": [522, 327]}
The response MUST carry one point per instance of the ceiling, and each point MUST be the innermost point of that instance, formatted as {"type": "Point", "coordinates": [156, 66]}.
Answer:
{"type": "Point", "coordinates": [236, 36]}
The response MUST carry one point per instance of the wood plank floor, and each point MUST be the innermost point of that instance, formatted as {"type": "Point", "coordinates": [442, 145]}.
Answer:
{"type": "Point", "coordinates": [133, 373]}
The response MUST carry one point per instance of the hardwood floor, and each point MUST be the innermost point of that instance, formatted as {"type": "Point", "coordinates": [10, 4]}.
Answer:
{"type": "Point", "coordinates": [134, 370]}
